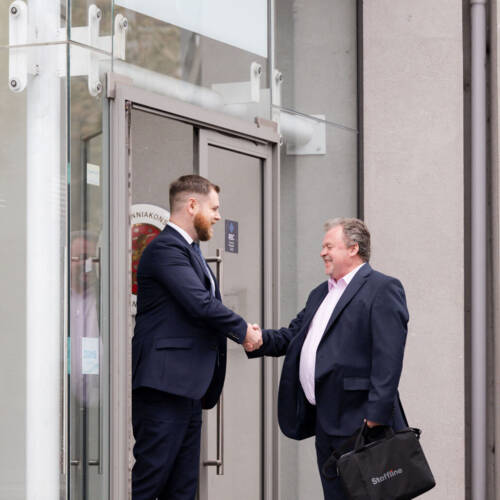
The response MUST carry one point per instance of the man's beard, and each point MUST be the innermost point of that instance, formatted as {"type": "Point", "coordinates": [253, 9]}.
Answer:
{"type": "Point", "coordinates": [203, 227]}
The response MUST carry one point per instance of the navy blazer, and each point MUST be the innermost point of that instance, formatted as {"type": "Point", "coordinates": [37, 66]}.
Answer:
{"type": "Point", "coordinates": [358, 361]}
{"type": "Point", "coordinates": [179, 344]}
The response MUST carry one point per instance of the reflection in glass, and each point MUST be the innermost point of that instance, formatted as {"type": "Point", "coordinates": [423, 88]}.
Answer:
{"type": "Point", "coordinates": [200, 62]}
{"type": "Point", "coordinates": [88, 343]}
{"type": "Point", "coordinates": [316, 48]}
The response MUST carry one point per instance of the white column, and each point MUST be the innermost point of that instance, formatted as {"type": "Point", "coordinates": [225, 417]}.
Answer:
{"type": "Point", "coordinates": [45, 226]}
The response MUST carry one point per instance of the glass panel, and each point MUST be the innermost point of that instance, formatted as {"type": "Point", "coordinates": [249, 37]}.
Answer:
{"type": "Point", "coordinates": [240, 179]}
{"type": "Point", "coordinates": [235, 22]}
{"type": "Point", "coordinates": [88, 372]}
{"type": "Point", "coordinates": [162, 151]}
{"type": "Point", "coordinates": [315, 44]}
{"type": "Point", "coordinates": [314, 188]}
{"type": "Point", "coordinates": [32, 289]}
{"type": "Point", "coordinates": [315, 47]}
{"type": "Point", "coordinates": [194, 63]}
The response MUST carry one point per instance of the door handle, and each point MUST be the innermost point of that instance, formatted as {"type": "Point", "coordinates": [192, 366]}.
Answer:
{"type": "Point", "coordinates": [218, 269]}
{"type": "Point", "coordinates": [219, 461]}
{"type": "Point", "coordinates": [97, 461]}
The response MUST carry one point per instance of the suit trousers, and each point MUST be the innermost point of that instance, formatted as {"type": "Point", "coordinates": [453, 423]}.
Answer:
{"type": "Point", "coordinates": [325, 444]}
{"type": "Point", "coordinates": [167, 430]}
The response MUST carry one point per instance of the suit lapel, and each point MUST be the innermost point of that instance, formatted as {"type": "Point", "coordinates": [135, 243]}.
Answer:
{"type": "Point", "coordinates": [352, 289]}
{"type": "Point", "coordinates": [203, 270]}
{"type": "Point", "coordinates": [172, 232]}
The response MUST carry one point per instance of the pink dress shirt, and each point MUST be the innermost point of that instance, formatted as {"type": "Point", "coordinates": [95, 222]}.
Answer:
{"type": "Point", "coordinates": [317, 329]}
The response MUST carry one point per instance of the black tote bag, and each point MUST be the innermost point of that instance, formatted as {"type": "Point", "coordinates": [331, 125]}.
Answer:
{"type": "Point", "coordinates": [392, 468]}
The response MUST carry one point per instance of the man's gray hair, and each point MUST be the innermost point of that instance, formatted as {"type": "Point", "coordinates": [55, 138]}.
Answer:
{"type": "Point", "coordinates": [355, 231]}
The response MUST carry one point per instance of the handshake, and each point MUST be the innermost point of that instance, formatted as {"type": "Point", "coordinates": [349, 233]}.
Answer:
{"type": "Point", "coordinates": [253, 338]}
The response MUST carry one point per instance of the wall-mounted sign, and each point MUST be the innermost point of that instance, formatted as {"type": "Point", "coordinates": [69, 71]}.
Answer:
{"type": "Point", "coordinates": [147, 221]}
{"type": "Point", "coordinates": [231, 236]}
{"type": "Point", "coordinates": [239, 23]}
{"type": "Point", "coordinates": [93, 174]}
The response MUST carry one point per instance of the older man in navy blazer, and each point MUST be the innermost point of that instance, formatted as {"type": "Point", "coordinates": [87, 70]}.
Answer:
{"type": "Point", "coordinates": [179, 345]}
{"type": "Point", "coordinates": [344, 350]}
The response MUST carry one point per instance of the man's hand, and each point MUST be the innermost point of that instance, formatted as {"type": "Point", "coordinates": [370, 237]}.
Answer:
{"type": "Point", "coordinates": [370, 424]}
{"type": "Point", "coordinates": [253, 339]}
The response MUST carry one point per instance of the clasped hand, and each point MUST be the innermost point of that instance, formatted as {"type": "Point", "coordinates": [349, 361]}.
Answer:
{"type": "Point", "coordinates": [253, 338]}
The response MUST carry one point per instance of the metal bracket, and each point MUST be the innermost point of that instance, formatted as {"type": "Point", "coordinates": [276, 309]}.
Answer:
{"type": "Point", "coordinates": [84, 60]}
{"type": "Point", "coordinates": [277, 82]}
{"type": "Point", "coordinates": [120, 37]}
{"type": "Point", "coordinates": [94, 20]}
{"type": "Point", "coordinates": [241, 92]}
{"type": "Point", "coordinates": [18, 35]}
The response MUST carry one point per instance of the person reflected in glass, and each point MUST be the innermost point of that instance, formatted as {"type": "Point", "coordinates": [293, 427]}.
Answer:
{"type": "Point", "coordinates": [83, 343]}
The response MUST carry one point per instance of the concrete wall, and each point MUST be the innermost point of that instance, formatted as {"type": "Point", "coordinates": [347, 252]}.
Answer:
{"type": "Point", "coordinates": [414, 206]}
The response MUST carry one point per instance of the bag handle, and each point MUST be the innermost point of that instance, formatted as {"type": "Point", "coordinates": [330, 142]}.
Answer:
{"type": "Point", "coordinates": [362, 434]}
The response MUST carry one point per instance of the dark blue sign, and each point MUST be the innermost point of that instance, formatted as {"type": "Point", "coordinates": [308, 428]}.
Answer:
{"type": "Point", "coordinates": [231, 236]}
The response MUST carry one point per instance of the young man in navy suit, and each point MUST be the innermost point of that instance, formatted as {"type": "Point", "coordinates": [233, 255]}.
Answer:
{"type": "Point", "coordinates": [344, 350]}
{"type": "Point", "coordinates": [179, 345]}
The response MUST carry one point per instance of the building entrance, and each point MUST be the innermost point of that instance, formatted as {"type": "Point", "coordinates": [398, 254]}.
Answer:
{"type": "Point", "coordinates": [156, 145]}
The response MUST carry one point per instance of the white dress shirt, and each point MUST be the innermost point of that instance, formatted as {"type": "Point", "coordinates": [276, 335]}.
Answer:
{"type": "Point", "coordinates": [317, 329]}
{"type": "Point", "coordinates": [181, 231]}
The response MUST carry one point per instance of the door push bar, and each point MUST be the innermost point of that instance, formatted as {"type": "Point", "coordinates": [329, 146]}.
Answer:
{"type": "Point", "coordinates": [96, 462]}
{"type": "Point", "coordinates": [219, 461]}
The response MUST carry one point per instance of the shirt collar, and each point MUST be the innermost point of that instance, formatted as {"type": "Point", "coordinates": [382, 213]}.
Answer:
{"type": "Point", "coordinates": [345, 280]}
{"type": "Point", "coordinates": [181, 232]}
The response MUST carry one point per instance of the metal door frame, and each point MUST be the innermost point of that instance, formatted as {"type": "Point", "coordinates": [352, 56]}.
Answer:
{"type": "Point", "coordinates": [123, 97]}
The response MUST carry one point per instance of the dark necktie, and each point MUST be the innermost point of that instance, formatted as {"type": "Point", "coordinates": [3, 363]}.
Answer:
{"type": "Point", "coordinates": [197, 249]}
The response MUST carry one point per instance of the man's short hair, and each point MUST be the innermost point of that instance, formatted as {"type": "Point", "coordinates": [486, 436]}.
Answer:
{"type": "Point", "coordinates": [186, 185]}
{"type": "Point", "coordinates": [355, 231]}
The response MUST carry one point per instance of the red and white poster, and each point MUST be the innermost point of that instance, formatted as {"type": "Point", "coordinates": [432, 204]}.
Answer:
{"type": "Point", "coordinates": [147, 221]}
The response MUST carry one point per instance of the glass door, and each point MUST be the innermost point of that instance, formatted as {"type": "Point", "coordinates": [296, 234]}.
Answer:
{"type": "Point", "coordinates": [88, 341]}
{"type": "Point", "coordinates": [233, 444]}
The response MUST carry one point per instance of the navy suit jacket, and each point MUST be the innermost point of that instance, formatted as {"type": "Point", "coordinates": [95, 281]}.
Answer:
{"type": "Point", "coordinates": [358, 361]}
{"type": "Point", "coordinates": [179, 343]}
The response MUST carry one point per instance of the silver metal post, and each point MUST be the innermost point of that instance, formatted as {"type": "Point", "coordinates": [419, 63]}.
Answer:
{"type": "Point", "coordinates": [478, 248]}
